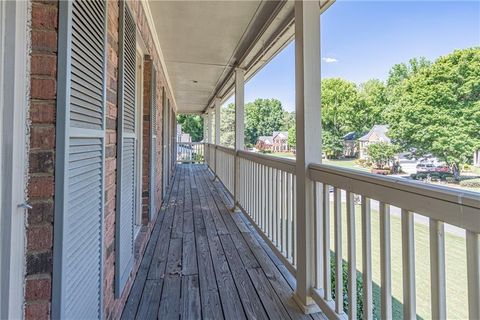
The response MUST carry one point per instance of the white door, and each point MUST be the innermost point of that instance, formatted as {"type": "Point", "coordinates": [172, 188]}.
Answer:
{"type": "Point", "coordinates": [13, 103]}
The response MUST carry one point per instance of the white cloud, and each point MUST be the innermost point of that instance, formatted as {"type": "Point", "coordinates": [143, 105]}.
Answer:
{"type": "Point", "coordinates": [329, 60]}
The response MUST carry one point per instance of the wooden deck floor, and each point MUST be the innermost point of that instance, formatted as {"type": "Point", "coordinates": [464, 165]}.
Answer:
{"type": "Point", "coordinates": [204, 262]}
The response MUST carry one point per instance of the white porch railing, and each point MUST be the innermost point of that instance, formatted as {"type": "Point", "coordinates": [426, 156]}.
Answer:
{"type": "Point", "coordinates": [266, 194]}
{"type": "Point", "coordinates": [190, 152]}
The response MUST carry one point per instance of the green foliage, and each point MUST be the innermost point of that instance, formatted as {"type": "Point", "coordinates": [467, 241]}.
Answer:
{"type": "Point", "coordinates": [340, 104]}
{"type": "Point", "coordinates": [227, 126]}
{"type": "Point", "coordinates": [436, 107]}
{"type": "Point", "coordinates": [192, 124]}
{"type": "Point", "coordinates": [292, 137]}
{"type": "Point", "coordinates": [381, 153]}
{"type": "Point", "coordinates": [263, 117]}
{"type": "Point", "coordinates": [332, 145]}
{"type": "Point", "coordinates": [471, 183]}
{"type": "Point", "coordinates": [374, 101]}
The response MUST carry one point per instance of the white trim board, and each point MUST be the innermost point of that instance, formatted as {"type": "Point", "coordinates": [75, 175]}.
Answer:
{"type": "Point", "coordinates": [15, 95]}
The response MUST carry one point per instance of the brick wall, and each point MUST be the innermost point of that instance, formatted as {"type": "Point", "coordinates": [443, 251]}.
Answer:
{"type": "Point", "coordinates": [39, 229]}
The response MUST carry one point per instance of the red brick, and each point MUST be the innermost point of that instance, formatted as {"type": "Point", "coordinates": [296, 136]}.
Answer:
{"type": "Point", "coordinates": [42, 211]}
{"type": "Point", "coordinates": [38, 289]}
{"type": "Point", "coordinates": [37, 311]}
{"type": "Point", "coordinates": [44, 89]}
{"type": "Point", "coordinates": [40, 237]}
{"type": "Point", "coordinates": [41, 162]}
{"type": "Point", "coordinates": [45, 65]}
{"type": "Point", "coordinates": [42, 137]}
{"type": "Point", "coordinates": [42, 112]}
{"type": "Point", "coordinates": [44, 16]}
{"type": "Point", "coordinates": [44, 40]}
{"type": "Point", "coordinates": [41, 187]}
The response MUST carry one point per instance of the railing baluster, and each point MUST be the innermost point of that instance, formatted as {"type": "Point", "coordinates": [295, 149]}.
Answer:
{"type": "Point", "coordinates": [437, 269]}
{"type": "Point", "coordinates": [284, 213]}
{"type": "Point", "coordinates": [337, 223]}
{"type": "Point", "coordinates": [274, 206]}
{"type": "Point", "coordinates": [269, 203]}
{"type": "Point", "coordinates": [385, 261]}
{"type": "Point", "coordinates": [473, 272]}
{"type": "Point", "coordinates": [326, 243]}
{"type": "Point", "coordinates": [294, 220]}
{"type": "Point", "coordinates": [367, 259]}
{"type": "Point", "coordinates": [277, 208]}
{"type": "Point", "coordinates": [318, 227]}
{"type": "Point", "coordinates": [352, 259]}
{"type": "Point", "coordinates": [408, 258]}
{"type": "Point", "coordinates": [289, 216]}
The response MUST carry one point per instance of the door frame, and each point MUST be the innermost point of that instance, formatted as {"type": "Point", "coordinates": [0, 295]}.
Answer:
{"type": "Point", "coordinates": [14, 100]}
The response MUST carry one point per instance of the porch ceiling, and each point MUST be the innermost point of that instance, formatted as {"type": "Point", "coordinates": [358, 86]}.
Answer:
{"type": "Point", "coordinates": [202, 42]}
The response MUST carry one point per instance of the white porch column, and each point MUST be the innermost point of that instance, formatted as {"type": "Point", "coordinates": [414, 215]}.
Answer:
{"type": "Point", "coordinates": [239, 109]}
{"type": "Point", "coordinates": [217, 121]}
{"type": "Point", "coordinates": [308, 121]}
{"type": "Point", "coordinates": [209, 126]}
{"type": "Point", "coordinates": [239, 127]}
{"type": "Point", "coordinates": [205, 120]}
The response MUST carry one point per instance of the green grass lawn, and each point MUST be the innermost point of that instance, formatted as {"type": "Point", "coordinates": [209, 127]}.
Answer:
{"type": "Point", "coordinates": [347, 163]}
{"type": "Point", "coordinates": [455, 257]}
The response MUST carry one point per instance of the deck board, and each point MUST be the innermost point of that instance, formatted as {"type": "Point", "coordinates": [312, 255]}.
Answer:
{"type": "Point", "coordinates": [205, 262]}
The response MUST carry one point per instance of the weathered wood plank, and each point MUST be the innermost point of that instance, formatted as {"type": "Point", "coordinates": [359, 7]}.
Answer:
{"type": "Point", "coordinates": [148, 308]}
{"type": "Point", "coordinates": [232, 306]}
{"type": "Point", "coordinates": [270, 300]}
{"type": "Point", "coordinates": [190, 298]}
{"type": "Point", "coordinates": [250, 299]}
{"type": "Point", "coordinates": [189, 260]}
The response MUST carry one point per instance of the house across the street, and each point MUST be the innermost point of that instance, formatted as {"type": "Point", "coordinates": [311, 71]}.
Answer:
{"type": "Point", "coordinates": [280, 143]}
{"type": "Point", "coordinates": [277, 142]}
{"type": "Point", "coordinates": [264, 143]}
{"type": "Point", "coordinates": [378, 133]}
{"type": "Point", "coordinates": [350, 146]}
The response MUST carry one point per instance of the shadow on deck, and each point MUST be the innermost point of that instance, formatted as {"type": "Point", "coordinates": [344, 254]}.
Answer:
{"type": "Point", "coordinates": [204, 262]}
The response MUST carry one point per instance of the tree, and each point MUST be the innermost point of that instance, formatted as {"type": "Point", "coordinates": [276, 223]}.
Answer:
{"type": "Point", "coordinates": [340, 106]}
{"type": "Point", "coordinates": [192, 124]}
{"type": "Point", "coordinates": [382, 153]}
{"type": "Point", "coordinates": [292, 137]}
{"type": "Point", "coordinates": [332, 145]}
{"type": "Point", "coordinates": [227, 126]}
{"type": "Point", "coordinates": [438, 111]}
{"type": "Point", "coordinates": [262, 117]}
{"type": "Point", "coordinates": [374, 101]}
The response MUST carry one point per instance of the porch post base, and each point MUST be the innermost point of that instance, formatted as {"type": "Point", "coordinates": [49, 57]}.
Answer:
{"type": "Point", "coordinates": [310, 307]}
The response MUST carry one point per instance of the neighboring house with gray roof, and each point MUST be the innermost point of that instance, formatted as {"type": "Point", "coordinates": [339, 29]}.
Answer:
{"type": "Point", "coordinates": [378, 133]}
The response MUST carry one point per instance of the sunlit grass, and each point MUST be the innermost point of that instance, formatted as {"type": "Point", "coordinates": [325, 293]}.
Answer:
{"type": "Point", "coordinates": [455, 256]}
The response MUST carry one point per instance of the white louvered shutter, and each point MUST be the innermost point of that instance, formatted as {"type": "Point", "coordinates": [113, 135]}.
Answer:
{"type": "Point", "coordinates": [153, 144]}
{"type": "Point", "coordinates": [79, 175]}
{"type": "Point", "coordinates": [126, 152]}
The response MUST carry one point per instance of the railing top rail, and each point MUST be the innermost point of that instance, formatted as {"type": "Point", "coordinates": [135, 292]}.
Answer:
{"type": "Point", "coordinates": [284, 164]}
{"type": "Point", "coordinates": [178, 142]}
{"type": "Point", "coordinates": [457, 207]}
{"type": "Point", "coordinates": [225, 149]}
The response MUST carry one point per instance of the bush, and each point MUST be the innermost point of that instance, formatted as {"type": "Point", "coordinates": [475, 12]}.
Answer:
{"type": "Point", "coordinates": [471, 183]}
{"type": "Point", "coordinates": [345, 286]}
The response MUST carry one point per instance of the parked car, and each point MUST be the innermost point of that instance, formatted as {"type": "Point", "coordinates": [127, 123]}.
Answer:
{"type": "Point", "coordinates": [442, 168]}
{"type": "Point", "coordinates": [425, 167]}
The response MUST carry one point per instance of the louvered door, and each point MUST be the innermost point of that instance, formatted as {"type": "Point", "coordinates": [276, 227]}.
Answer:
{"type": "Point", "coordinates": [153, 144]}
{"type": "Point", "coordinates": [79, 172]}
{"type": "Point", "coordinates": [126, 151]}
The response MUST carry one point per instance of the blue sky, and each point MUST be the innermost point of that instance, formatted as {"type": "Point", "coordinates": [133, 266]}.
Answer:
{"type": "Point", "coordinates": [363, 39]}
